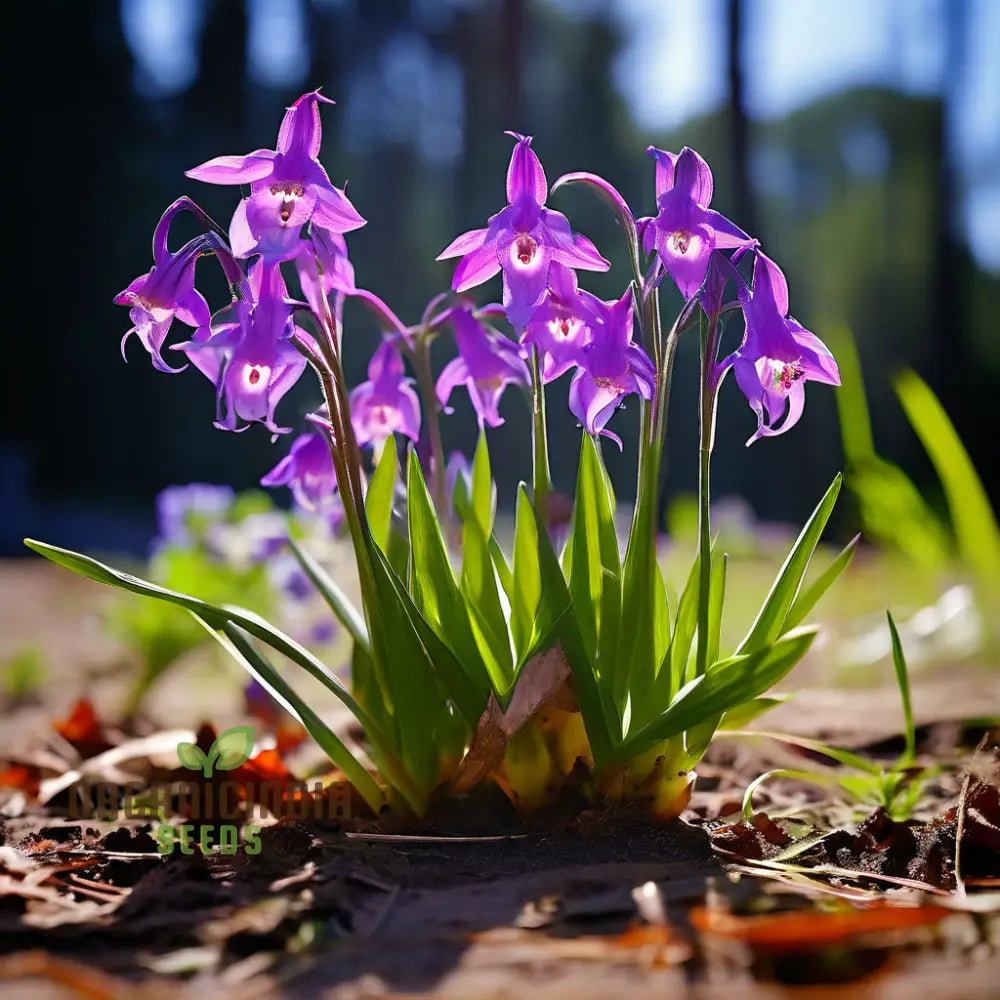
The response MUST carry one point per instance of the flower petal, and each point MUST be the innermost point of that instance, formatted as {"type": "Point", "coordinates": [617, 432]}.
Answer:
{"type": "Point", "coordinates": [525, 176]}
{"type": "Point", "coordinates": [235, 169]}
{"type": "Point", "coordinates": [461, 245]}
{"type": "Point", "coordinates": [474, 268]}
{"type": "Point", "coordinates": [693, 176]}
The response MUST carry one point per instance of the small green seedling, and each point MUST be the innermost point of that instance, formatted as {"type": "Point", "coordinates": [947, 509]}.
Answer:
{"type": "Point", "coordinates": [896, 789]}
{"type": "Point", "coordinates": [231, 748]}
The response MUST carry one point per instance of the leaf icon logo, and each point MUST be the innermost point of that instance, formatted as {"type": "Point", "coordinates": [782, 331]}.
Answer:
{"type": "Point", "coordinates": [231, 748]}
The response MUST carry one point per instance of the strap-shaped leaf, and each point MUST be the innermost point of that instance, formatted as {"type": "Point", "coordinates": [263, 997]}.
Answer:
{"type": "Point", "coordinates": [479, 577]}
{"type": "Point", "coordinates": [526, 587]}
{"type": "Point", "coordinates": [727, 683]}
{"type": "Point", "coordinates": [594, 544]}
{"type": "Point", "coordinates": [215, 615]}
{"type": "Point", "coordinates": [716, 599]}
{"type": "Point", "coordinates": [339, 603]}
{"type": "Point", "coordinates": [903, 681]}
{"type": "Point", "coordinates": [379, 496]}
{"type": "Point", "coordinates": [976, 529]}
{"type": "Point", "coordinates": [433, 586]}
{"type": "Point", "coordinates": [236, 642]}
{"type": "Point", "coordinates": [770, 621]}
{"type": "Point", "coordinates": [808, 597]}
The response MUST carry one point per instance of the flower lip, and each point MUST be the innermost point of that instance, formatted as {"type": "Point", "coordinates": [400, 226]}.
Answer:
{"type": "Point", "coordinates": [523, 250]}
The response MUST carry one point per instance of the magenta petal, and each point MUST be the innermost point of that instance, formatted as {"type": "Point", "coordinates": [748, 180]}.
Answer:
{"type": "Point", "coordinates": [333, 209]}
{"type": "Point", "coordinates": [664, 168]}
{"type": "Point", "coordinates": [453, 374]}
{"type": "Point", "coordinates": [466, 243]}
{"type": "Point", "coordinates": [769, 281]}
{"type": "Point", "coordinates": [193, 310]}
{"type": "Point", "coordinates": [693, 176]}
{"type": "Point", "coordinates": [242, 241]}
{"type": "Point", "coordinates": [728, 235]}
{"type": "Point", "coordinates": [525, 176]}
{"type": "Point", "coordinates": [235, 169]}
{"type": "Point", "coordinates": [474, 268]}
{"type": "Point", "coordinates": [301, 132]}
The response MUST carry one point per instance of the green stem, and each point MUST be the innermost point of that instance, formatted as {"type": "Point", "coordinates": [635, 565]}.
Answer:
{"type": "Point", "coordinates": [542, 480]}
{"type": "Point", "coordinates": [709, 394]}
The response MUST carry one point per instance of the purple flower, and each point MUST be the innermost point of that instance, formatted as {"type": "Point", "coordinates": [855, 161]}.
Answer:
{"type": "Point", "coordinates": [610, 367]}
{"type": "Point", "coordinates": [250, 358]}
{"type": "Point", "coordinates": [386, 402]}
{"type": "Point", "coordinates": [288, 187]}
{"type": "Point", "coordinates": [486, 365]}
{"type": "Point", "coordinates": [685, 230]}
{"type": "Point", "coordinates": [561, 326]}
{"type": "Point", "coordinates": [180, 508]}
{"type": "Point", "coordinates": [323, 267]}
{"type": "Point", "coordinates": [777, 356]}
{"type": "Point", "coordinates": [308, 471]}
{"type": "Point", "coordinates": [522, 241]}
{"type": "Point", "coordinates": [166, 292]}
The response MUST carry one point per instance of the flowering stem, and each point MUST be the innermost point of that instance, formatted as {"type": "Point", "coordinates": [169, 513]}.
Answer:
{"type": "Point", "coordinates": [542, 481]}
{"type": "Point", "coordinates": [421, 358]}
{"type": "Point", "coordinates": [709, 395]}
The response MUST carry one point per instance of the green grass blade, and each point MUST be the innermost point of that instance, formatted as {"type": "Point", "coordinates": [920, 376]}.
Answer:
{"type": "Point", "coordinates": [716, 600]}
{"type": "Point", "coordinates": [235, 641]}
{"type": "Point", "coordinates": [972, 518]}
{"type": "Point", "coordinates": [810, 777]}
{"type": "Point", "coordinates": [903, 680]}
{"type": "Point", "coordinates": [526, 588]}
{"type": "Point", "coordinates": [339, 603]}
{"type": "Point", "coordinates": [844, 757]}
{"type": "Point", "coordinates": [728, 683]}
{"type": "Point", "coordinates": [770, 622]}
{"type": "Point", "coordinates": [810, 596]}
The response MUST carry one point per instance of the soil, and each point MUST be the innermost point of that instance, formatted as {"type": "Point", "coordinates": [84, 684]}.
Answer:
{"type": "Point", "coordinates": [808, 899]}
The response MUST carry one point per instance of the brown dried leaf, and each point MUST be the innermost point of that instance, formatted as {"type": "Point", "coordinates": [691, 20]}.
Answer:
{"type": "Point", "coordinates": [546, 682]}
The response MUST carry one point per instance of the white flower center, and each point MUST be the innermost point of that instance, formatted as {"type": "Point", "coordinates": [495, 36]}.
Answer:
{"type": "Point", "coordinates": [256, 377]}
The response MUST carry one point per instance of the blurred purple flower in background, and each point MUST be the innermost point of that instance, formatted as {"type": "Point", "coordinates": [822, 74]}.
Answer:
{"type": "Point", "coordinates": [387, 401]}
{"type": "Point", "coordinates": [522, 241]}
{"type": "Point", "coordinates": [182, 509]}
{"type": "Point", "coordinates": [288, 187]}
{"type": "Point", "coordinates": [487, 363]}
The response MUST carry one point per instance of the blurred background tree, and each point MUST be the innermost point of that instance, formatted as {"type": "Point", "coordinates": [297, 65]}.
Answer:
{"type": "Point", "coordinates": [859, 140]}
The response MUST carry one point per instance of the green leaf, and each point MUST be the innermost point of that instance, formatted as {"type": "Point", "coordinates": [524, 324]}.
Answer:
{"type": "Point", "coordinates": [976, 529]}
{"type": "Point", "coordinates": [726, 684]}
{"type": "Point", "coordinates": [232, 747]}
{"type": "Point", "coordinates": [770, 621]}
{"type": "Point", "coordinates": [716, 599]}
{"type": "Point", "coordinates": [809, 597]}
{"type": "Point", "coordinates": [738, 717]}
{"type": "Point", "coordinates": [190, 756]}
{"type": "Point", "coordinates": [379, 496]}
{"type": "Point", "coordinates": [479, 578]}
{"type": "Point", "coordinates": [339, 603]}
{"type": "Point", "coordinates": [810, 777]}
{"type": "Point", "coordinates": [235, 641]}
{"type": "Point", "coordinates": [594, 544]}
{"type": "Point", "coordinates": [214, 615]}
{"type": "Point", "coordinates": [903, 680]}
{"type": "Point", "coordinates": [526, 588]}
{"type": "Point", "coordinates": [844, 757]}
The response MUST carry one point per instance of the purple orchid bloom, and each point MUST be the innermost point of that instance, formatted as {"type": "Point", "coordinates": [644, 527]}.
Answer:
{"type": "Point", "coordinates": [308, 471]}
{"type": "Point", "coordinates": [686, 231]}
{"type": "Point", "coordinates": [561, 326]}
{"type": "Point", "coordinates": [166, 292]}
{"type": "Point", "coordinates": [251, 359]}
{"type": "Point", "coordinates": [777, 356]}
{"type": "Point", "coordinates": [487, 363]}
{"type": "Point", "coordinates": [386, 402]}
{"type": "Point", "coordinates": [323, 267]}
{"type": "Point", "coordinates": [522, 241]}
{"type": "Point", "coordinates": [610, 367]}
{"type": "Point", "coordinates": [288, 187]}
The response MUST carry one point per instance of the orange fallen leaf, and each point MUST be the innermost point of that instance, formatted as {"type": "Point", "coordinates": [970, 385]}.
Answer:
{"type": "Point", "coordinates": [805, 930]}
{"type": "Point", "coordinates": [25, 778]}
{"type": "Point", "coordinates": [83, 730]}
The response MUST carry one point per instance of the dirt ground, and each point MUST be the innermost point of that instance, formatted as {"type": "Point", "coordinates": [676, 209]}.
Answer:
{"type": "Point", "coordinates": [808, 900]}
